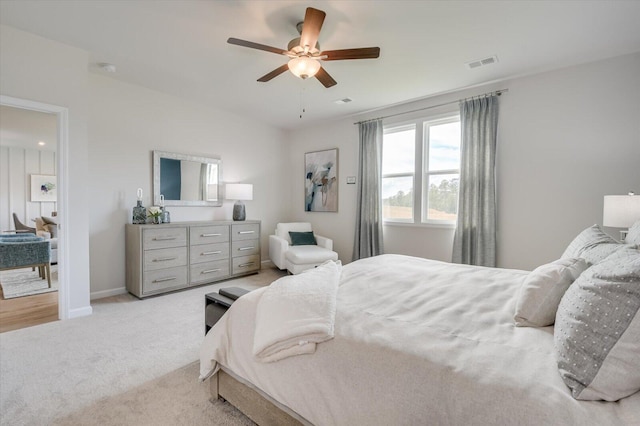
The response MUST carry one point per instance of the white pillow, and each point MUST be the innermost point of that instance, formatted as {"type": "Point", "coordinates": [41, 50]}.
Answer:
{"type": "Point", "coordinates": [597, 330]}
{"type": "Point", "coordinates": [633, 236]}
{"type": "Point", "coordinates": [593, 245]}
{"type": "Point", "coordinates": [543, 289]}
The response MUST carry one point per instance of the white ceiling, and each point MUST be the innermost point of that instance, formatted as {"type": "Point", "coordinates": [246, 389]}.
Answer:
{"type": "Point", "coordinates": [179, 46]}
{"type": "Point", "coordinates": [25, 129]}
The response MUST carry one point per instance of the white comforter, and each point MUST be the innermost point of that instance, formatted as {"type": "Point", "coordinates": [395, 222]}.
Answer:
{"type": "Point", "coordinates": [417, 342]}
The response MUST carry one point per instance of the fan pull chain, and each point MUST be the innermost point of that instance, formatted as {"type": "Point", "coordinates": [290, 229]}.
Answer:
{"type": "Point", "coordinates": [302, 108]}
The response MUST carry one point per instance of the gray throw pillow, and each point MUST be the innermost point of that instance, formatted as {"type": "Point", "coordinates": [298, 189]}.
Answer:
{"type": "Point", "coordinates": [633, 236]}
{"type": "Point", "coordinates": [302, 238]}
{"type": "Point", "coordinates": [593, 245]}
{"type": "Point", "coordinates": [542, 290]}
{"type": "Point", "coordinates": [597, 330]}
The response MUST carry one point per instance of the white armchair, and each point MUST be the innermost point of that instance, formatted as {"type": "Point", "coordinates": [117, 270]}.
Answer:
{"type": "Point", "coordinates": [300, 257]}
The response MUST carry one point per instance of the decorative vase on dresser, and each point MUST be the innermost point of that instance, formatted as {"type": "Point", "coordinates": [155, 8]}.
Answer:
{"type": "Point", "coordinates": [167, 257]}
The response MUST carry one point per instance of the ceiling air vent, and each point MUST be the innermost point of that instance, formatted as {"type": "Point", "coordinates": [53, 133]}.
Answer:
{"type": "Point", "coordinates": [343, 101]}
{"type": "Point", "coordinates": [482, 62]}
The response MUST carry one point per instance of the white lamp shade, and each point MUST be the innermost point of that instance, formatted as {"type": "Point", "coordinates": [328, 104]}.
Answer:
{"type": "Point", "coordinates": [304, 67]}
{"type": "Point", "coordinates": [621, 211]}
{"type": "Point", "coordinates": [239, 191]}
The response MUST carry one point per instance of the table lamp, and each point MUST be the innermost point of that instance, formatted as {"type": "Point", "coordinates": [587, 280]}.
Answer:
{"type": "Point", "coordinates": [239, 192]}
{"type": "Point", "coordinates": [621, 211]}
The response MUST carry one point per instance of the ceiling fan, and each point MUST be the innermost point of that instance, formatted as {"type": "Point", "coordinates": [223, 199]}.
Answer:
{"type": "Point", "coordinates": [305, 54]}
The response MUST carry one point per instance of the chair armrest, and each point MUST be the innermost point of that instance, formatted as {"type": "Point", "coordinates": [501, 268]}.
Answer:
{"type": "Point", "coordinates": [277, 248]}
{"type": "Point", "coordinates": [324, 242]}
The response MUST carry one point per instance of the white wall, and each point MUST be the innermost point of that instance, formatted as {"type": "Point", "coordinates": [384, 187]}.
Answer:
{"type": "Point", "coordinates": [338, 226]}
{"type": "Point", "coordinates": [566, 138]}
{"type": "Point", "coordinates": [42, 70]}
{"type": "Point", "coordinates": [128, 122]}
{"type": "Point", "coordinates": [16, 167]}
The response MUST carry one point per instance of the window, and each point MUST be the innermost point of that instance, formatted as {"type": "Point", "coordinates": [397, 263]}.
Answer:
{"type": "Point", "coordinates": [430, 150]}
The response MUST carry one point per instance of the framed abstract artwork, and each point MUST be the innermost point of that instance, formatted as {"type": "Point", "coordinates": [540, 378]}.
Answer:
{"type": "Point", "coordinates": [44, 188]}
{"type": "Point", "coordinates": [321, 181]}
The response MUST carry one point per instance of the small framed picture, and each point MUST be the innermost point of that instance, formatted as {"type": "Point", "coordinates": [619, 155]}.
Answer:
{"type": "Point", "coordinates": [44, 188]}
{"type": "Point", "coordinates": [321, 181]}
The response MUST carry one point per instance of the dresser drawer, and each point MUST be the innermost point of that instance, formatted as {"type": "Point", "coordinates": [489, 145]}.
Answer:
{"type": "Point", "coordinates": [164, 279]}
{"type": "Point", "coordinates": [164, 237]}
{"type": "Point", "coordinates": [164, 258]}
{"type": "Point", "coordinates": [245, 248]}
{"type": "Point", "coordinates": [210, 271]}
{"type": "Point", "coordinates": [209, 252]}
{"type": "Point", "coordinates": [245, 264]}
{"type": "Point", "coordinates": [248, 231]}
{"type": "Point", "coordinates": [209, 234]}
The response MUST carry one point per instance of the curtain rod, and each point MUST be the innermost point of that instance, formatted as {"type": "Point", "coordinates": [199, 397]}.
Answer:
{"type": "Point", "coordinates": [496, 92]}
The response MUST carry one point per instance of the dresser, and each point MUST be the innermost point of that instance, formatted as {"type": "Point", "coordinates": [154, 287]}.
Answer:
{"type": "Point", "coordinates": [172, 256]}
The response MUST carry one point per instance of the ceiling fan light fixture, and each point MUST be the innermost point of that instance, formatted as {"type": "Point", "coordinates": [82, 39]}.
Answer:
{"type": "Point", "coordinates": [304, 67]}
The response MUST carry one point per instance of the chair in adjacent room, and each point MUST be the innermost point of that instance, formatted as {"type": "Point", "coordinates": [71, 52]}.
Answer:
{"type": "Point", "coordinates": [21, 227]}
{"type": "Point", "coordinates": [296, 248]}
{"type": "Point", "coordinates": [26, 251]}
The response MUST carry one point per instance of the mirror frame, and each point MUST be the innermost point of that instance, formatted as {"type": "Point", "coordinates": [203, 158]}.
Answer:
{"type": "Point", "coordinates": [157, 155]}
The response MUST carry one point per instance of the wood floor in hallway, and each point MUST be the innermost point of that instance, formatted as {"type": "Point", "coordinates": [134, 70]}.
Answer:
{"type": "Point", "coordinates": [27, 311]}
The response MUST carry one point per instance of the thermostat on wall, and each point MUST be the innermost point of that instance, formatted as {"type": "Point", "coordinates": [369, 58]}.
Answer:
{"type": "Point", "coordinates": [351, 180]}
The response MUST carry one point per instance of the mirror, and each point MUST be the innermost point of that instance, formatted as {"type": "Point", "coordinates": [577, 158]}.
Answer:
{"type": "Point", "coordinates": [186, 180]}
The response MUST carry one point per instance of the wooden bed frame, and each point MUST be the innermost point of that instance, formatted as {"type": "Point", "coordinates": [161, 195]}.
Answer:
{"type": "Point", "coordinates": [254, 404]}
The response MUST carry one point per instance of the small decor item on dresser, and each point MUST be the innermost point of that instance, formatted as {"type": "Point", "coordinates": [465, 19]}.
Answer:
{"type": "Point", "coordinates": [154, 212]}
{"type": "Point", "coordinates": [139, 212]}
{"type": "Point", "coordinates": [239, 192]}
{"type": "Point", "coordinates": [165, 217]}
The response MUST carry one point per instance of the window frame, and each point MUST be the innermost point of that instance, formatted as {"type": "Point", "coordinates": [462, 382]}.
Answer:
{"type": "Point", "coordinates": [421, 143]}
{"type": "Point", "coordinates": [426, 173]}
{"type": "Point", "coordinates": [396, 129]}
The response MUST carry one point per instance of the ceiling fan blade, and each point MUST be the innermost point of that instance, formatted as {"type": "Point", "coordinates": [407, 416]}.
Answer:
{"type": "Point", "coordinates": [361, 53]}
{"type": "Point", "coordinates": [258, 46]}
{"type": "Point", "coordinates": [324, 78]}
{"type": "Point", "coordinates": [274, 73]}
{"type": "Point", "coordinates": [313, 20]}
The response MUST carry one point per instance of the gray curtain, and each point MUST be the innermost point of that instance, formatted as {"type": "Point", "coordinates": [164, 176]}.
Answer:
{"type": "Point", "coordinates": [368, 238]}
{"type": "Point", "coordinates": [475, 237]}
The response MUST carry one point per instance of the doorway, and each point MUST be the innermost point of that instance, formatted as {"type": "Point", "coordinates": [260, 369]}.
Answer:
{"type": "Point", "coordinates": [60, 309]}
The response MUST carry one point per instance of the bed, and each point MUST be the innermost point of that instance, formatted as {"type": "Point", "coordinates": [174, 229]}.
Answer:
{"type": "Point", "coordinates": [415, 341]}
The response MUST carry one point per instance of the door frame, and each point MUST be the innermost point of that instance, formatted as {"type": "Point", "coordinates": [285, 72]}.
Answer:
{"type": "Point", "coordinates": [62, 115]}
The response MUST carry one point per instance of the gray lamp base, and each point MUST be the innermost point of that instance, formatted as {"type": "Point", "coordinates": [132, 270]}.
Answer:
{"type": "Point", "coordinates": [238, 211]}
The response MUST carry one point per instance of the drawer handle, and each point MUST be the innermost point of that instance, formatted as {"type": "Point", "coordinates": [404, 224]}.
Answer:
{"type": "Point", "coordinates": [210, 235]}
{"type": "Point", "coordinates": [164, 238]}
{"type": "Point", "coordinates": [164, 259]}
{"type": "Point", "coordinates": [244, 265]}
{"type": "Point", "coordinates": [246, 232]}
{"type": "Point", "coordinates": [161, 280]}
{"type": "Point", "coordinates": [210, 271]}
{"type": "Point", "coordinates": [245, 248]}
{"type": "Point", "coordinates": [210, 253]}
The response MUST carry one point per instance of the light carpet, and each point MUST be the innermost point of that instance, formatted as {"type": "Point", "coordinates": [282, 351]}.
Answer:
{"type": "Point", "coordinates": [25, 282]}
{"type": "Point", "coordinates": [132, 362]}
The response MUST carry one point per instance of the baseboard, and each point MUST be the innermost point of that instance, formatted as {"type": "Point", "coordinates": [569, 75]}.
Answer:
{"type": "Point", "coordinates": [267, 263]}
{"type": "Point", "coordinates": [107, 293]}
{"type": "Point", "coordinates": [80, 312]}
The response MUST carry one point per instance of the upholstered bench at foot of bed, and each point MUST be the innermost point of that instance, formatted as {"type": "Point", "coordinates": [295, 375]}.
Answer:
{"type": "Point", "coordinates": [301, 258]}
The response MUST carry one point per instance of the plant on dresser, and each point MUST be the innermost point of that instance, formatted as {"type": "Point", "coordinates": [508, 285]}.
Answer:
{"type": "Point", "coordinates": [167, 257]}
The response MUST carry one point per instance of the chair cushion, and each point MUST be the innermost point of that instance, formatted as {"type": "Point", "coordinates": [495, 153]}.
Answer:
{"type": "Point", "coordinates": [302, 238]}
{"type": "Point", "coordinates": [299, 255]}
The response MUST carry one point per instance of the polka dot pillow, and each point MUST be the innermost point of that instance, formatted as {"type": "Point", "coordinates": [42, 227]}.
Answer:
{"type": "Point", "coordinates": [633, 236]}
{"type": "Point", "coordinates": [593, 245]}
{"type": "Point", "coordinates": [597, 329]}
